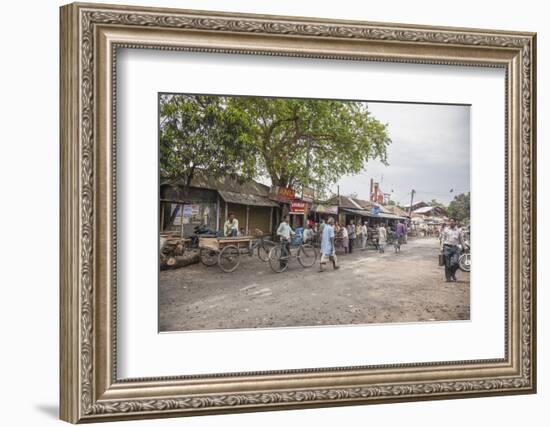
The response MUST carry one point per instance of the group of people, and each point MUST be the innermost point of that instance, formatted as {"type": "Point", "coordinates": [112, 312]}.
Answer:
{"type": "Point", "coordinates": [352, 235]}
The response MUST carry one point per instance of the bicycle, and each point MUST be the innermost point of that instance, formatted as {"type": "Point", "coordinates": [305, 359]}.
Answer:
{"type": "Point", "coordinates": [280, 255]}
{"type": "Point", "coordinates": [263, 247]}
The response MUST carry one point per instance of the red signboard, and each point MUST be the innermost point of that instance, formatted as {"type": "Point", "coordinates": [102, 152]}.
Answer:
{"type": "Point", "coordinates": [298, 206]}
{"type": "Point", "coordinates": [282, 194]}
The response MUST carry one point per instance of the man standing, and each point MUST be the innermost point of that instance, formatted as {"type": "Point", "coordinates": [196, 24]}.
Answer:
{"type": "Point", "coordinates": [285, 232]}
{"type": "Point", "coordinates": [351, 235]}
{"type": "Point", "coordinates": [231, 226]}
{"type": "Point", "coordinates": [451, 241]}
{"type": "Point", "coordinates": [307, 236]}
{"type": "Point", "coordinates": [327, 245]}
{"type": "Point", "coordinates": [400, 231]}
{"type": "Point", "coordinates": [364, 235]}
{"type": "Point", "coordinates": [382, 237]}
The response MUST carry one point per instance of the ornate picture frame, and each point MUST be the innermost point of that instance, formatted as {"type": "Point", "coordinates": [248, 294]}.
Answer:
{"type": "Point", "coordinates": [90, 37]}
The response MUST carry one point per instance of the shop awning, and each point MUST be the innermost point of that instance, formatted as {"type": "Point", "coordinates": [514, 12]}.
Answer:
{"type": "Point", "coordinates": [325, 209]}
{"type": "Point", "coordinates": [366, 213]}
{"type": "Point", "coordinates": [247, 199]}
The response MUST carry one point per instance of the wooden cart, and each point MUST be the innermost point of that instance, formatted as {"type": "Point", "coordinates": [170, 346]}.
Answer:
{"type": "Point", "coordinates": [224, 251]}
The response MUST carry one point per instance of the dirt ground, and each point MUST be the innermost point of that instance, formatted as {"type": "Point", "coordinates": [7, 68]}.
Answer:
{"type": "Point", "coordinates": [368, 288]}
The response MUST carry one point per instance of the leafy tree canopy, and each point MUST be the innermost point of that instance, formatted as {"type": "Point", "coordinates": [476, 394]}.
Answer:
{"type": "Point", "coordinates": [459, 208]}
{"type": "Point", "coordinates": [292, 141]}
{"type": "Point", "coordinates": [313, 142]}
{"type": "Point", "coordinates": [204, 132]}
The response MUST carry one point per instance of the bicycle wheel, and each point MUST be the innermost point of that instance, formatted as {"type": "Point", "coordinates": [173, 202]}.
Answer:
{"type": "Point", "coordinates": [464, 262]}
{"type": "Point", "coordinates": [307, 255]}
{"type": "Point", "coordinates": [264, 249]}
{"type": "Point", "coordinates": [278, 259]}
{"type": "Point", "coordinates": [228, 259]}
{"type": "Point", "coordinates": [208, 257]}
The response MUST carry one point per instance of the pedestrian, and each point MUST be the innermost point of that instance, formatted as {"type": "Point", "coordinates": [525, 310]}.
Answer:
{"type": "Point", "coordinates": [285, 232]}
{"type": "Point", "coordinates": [345, 238]}
{"type": "Point", "coordinates": [231, 226]}
{"type": "Point", "coordinates": [320, 228]}
{"type": "Point", "coordinates": [364, 235]}
{"type": "Point", "coordinates": [352, 235]}
{"type": "Point", "coordinates": [307, 236]}
{"type": "Point", "coordinates": [328, 249]}
{"type": "Point", "coordinates": [382, 237]}
{"type": "Point", "coordinates": [451, 244]}
{"type": "Point", "coordinates": [400, 230]}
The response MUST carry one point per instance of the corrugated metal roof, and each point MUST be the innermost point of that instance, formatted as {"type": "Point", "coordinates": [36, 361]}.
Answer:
{"type": "Point", "coordinates": [346, 202]}
{"type": "Point", "coordinates": [397, 211]}
{"type": "Point", "coordinates": [246, 199]}
{"type": "Point", "coordinates": [230, 183]}
{"type": "Point", "coordinates": [362, 212]}
{"type": "Point", "coordinates": [424, 209]}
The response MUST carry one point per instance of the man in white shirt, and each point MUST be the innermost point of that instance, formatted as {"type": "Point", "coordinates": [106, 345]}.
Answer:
{"type": "Point", "coordinates": [285, 232]}
{"type": "Point", "coordinates": [231, 226]}
{"type": "Point", "coordinates": [451, 245]}
{"type": "Point", "coordinates": [364, 235]}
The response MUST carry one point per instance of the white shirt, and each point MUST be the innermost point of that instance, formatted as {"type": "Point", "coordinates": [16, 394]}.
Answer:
{"type": "Point", "coordinates": [284, 230]}
{"type": "Point", "coordinates": [451, 236]}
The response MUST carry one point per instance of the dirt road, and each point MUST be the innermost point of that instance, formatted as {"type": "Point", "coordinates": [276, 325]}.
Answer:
{"type": "Point", "coordinates": [368, 288]}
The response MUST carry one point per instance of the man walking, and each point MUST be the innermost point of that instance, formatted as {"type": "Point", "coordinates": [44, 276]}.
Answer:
{"type": "Point", "coordinates": [382, 237]}
{"type": "Point", "coordinates": [285, 232]}
{"type": "Point", "coordinates": [352, 234]}
{"type": "Point", "coordinates": [451, 241]}
{"type": "Point", "coordinates": [327, 245]}
{"type": "Point", "coordinates": [400, 231]}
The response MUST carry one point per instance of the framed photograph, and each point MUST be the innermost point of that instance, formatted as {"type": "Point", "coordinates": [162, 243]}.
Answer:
{"type": "Point", "coordinates": [267, 212]}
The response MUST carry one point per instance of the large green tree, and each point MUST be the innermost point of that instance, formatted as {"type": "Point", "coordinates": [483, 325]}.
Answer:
{"type": "Point", "coordinates": [204, 133]}
{"type": "Point", "coordinates": [312, 142]}
{"type": "Point", "coordinates": [459, 208]}
{"type": "Point", "coordinates": [292, 141]}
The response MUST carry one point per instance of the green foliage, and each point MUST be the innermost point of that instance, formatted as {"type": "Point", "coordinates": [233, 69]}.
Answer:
{"type": "Point", "coordinates": [312, 142]}
{"type": "Point", "coordinates": [459, 208]}
{"type": "Point", "coordinates": [435, 203]}
{"type": "Point", "coordinates": [293, 141]}
{"type": "Point", "coordinates": [203, 132]}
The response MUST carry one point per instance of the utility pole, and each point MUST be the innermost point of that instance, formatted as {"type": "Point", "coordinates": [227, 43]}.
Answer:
{"type": "Point", "coordinates": [411, 206]}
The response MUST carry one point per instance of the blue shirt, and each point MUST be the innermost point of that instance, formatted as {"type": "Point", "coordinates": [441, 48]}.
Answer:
{"type": "Point", "coordinates": [326, 244]}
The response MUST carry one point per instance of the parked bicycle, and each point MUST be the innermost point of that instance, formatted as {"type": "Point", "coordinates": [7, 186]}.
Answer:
{"type": "Point", "coordinates": [263, 247]}
{"type": "Point", "coordinates": [280, 255]}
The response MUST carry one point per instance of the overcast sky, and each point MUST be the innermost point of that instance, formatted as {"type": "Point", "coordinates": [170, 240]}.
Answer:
{"type": "Point", "coordinates": [430, 152]}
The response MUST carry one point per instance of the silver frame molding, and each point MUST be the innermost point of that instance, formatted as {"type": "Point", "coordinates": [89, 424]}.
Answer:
{"type": "Point", "coordinates": [90, 37]}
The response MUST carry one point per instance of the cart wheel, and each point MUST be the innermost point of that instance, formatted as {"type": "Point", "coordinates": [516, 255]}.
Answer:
{"type": "Point", "coordinates": [208, 257]}
{"type": "Point", "coordinates": [278, 259]}
{"type": "Point", "coordinates": [228, 259]}
{"type": "Point", "coordinates": [307, 255]}
{"type": "Point", "coordinates": [264, 249]}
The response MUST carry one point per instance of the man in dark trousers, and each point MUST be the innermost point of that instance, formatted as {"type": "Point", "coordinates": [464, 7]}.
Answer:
{"type": "Point", "coordinates": [451, 244]}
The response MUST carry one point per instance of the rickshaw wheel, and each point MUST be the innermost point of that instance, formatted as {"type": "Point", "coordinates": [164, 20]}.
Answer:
{"type": "Point", "coordinates": [208, 257]}
{"type": "Point", "coordinates": [228, 258]}
{"type": "Point", "coordinates": [278, 260]}
{"type": "Point", "coordinates": [307, 255]}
